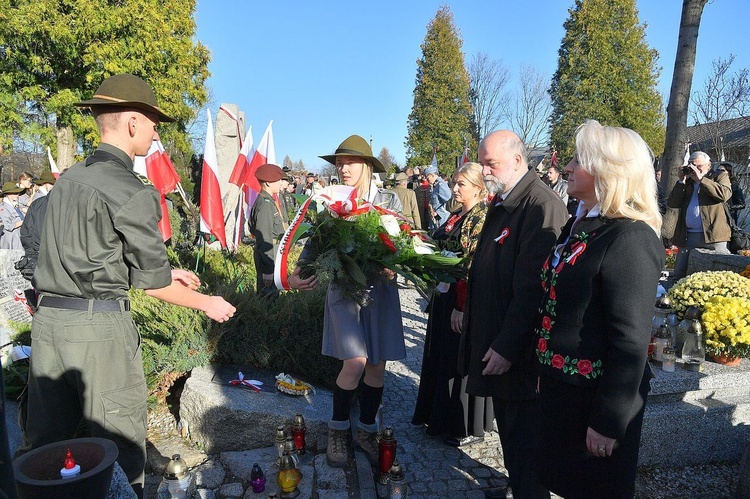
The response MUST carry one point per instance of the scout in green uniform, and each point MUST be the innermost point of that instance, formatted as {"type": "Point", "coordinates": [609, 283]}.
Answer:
{"type": "Point", "coordinates": [267, 226]}
{"type": "Point", "coordinates": [99, 238]}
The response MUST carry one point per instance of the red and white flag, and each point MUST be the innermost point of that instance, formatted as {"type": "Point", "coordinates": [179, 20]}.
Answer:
{"type": "Point", "coordinates": [52, 164]}
{"type": "Point", "coordinates": [159, 169]}
{"type": "Point", "coordinates": [212, 213]}
{"type": "Point", "coordinates": [553, 160]}
{"type": "Point", "coordinates": [265, 153]}
{"type": "Point", "coordinates": [465, 156]}
{"type": "Point", "coordinates": [243, 160]}
{"type": "Point", "coordinates": [238, 173]}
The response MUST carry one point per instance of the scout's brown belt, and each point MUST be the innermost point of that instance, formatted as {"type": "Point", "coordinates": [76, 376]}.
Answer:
{"type": "Point", "coordinates": [83, 304]}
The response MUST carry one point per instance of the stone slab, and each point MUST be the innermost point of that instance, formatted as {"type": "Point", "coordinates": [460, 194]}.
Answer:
{"type": "Point", "coordinates": [694, 418]}
{"type": "Point", "coordinates": [701, 260]}
{"type": "Point", "coordinates": [221, 417]}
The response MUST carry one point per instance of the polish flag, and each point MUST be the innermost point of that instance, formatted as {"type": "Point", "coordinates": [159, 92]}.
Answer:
{"type": "Point", "coordinates": [243, 160]}
{"type": "Point", "coordinates": [553, 160]}
{"type": "Point", "coordinates": [212, 213]}
{"type": "Point", "coordinates": [265, 153]}
{"type": "Point", "coordinates": [158, 168]}
{"type": "Point", "coordinates": [238, 173]}
{"type": "Point", "coordinates": [465, 156]}
{"type": "Point", "coordinates": [52, 164]}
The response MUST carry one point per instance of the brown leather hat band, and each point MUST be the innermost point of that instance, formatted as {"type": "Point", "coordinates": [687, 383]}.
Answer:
{"type": "Point", "coordinates": [351, 152]}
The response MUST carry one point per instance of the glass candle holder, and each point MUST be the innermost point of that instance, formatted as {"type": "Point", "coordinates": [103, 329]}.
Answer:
{"type": "Point", "coordinates": [668, 359]}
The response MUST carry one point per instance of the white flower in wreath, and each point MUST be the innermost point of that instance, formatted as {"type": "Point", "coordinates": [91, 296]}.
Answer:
{"type": "Point", "coordinates": [390, 223]}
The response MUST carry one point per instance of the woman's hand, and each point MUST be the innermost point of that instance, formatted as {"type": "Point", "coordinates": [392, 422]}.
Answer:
{"type": "Point", "coordinates": [457, 318]}
{"type": "Point", "coordinates": [388, 273]}
{"type": "Point", "coordinates": [598, 444]}
{"type": "Point", "coordinates": [296, 282]}
{"type": "Point", "coordinates": [186, 278]}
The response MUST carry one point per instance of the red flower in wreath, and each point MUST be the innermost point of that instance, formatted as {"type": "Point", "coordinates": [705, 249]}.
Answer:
{"type": "Point", "coordinates": [584, 367]}
{"type": "Point", "coordinates": [542, 345]}
{"type": "Point", "coordinates": [558, 361]}
{"type": "Point", "coordinates": [405, 227]}
{"type": "Point", "coordinates": [387, 241]}
{"type": "Point", "coordinates": [546, 323]}
{"type": "Point", "coordinates": [552, 293]}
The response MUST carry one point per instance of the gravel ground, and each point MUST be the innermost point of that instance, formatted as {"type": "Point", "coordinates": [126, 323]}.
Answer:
{"type": "Point", "coordinates": [713, 481]}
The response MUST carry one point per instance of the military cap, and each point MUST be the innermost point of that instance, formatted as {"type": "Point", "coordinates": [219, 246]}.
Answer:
{"type": "Point", "coordinates": [400, 177]}
{"type": "Point", "coordinates": [432, 169]}
{"type": "Point", "coordinates": [126, 90]}
{"type": "Point", "coordinates": [356, 146]}
{"type": "Point", "coordinates": [269, 173]}
{"type": "Point", "coordinates": [11, 188]}
{"type": "Point", "coordinates": [45, 178]}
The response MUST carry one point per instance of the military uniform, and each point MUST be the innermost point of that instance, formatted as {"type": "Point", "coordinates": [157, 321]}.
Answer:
{"type": "Point", "coordinates": [100, 237]}
{"type": "Point", "coordinates": [267, 225]}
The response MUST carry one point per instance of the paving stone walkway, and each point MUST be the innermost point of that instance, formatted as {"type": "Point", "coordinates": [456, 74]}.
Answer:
{"type": "Point", "coordinates": [433, 469]}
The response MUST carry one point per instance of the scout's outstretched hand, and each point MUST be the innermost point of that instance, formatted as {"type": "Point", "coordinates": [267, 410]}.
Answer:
{"type": "Point", "coordinates": [218, 309]}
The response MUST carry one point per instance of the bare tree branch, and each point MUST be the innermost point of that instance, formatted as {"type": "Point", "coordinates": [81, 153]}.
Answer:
{"type": "Point", "coordinates": [488, 80]}
{"type": "Point", "coordinates": [725, 95]}
{"type": "Point", "coordinates": [528, 110]}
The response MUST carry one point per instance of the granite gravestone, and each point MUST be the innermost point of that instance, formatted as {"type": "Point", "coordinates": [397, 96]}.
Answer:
{"type": "Point", "coordinates": [12, 299]}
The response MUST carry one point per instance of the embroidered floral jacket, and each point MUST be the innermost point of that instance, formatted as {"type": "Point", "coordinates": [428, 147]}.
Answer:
{"type": "Point", "coordinates": [595, 317]}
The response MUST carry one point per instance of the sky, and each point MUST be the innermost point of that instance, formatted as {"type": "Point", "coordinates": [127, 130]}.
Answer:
{"type": "Point", "coordinates": [323, 70]}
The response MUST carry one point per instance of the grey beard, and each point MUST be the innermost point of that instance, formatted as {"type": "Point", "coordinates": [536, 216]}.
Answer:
{"type": "Point", "coordinates": [493, 185]}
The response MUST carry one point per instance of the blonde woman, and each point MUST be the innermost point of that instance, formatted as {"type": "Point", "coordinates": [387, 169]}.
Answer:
{"type": "Point", "coordinates": [442, 403]}
{"type": "Point", "coordinates": [364, 338]}
{"type": "Point", "coordinates": [593, 333]}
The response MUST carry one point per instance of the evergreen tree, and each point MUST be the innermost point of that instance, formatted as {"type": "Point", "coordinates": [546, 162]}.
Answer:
{"type": "Point", "coordinates": [54, 53]}
{"type": "Point", "coordinates": [287, 162]}
{"type": "Point", "coordinates": [607, 72]}
{"type": "Point", "coordinates": [441, 115]}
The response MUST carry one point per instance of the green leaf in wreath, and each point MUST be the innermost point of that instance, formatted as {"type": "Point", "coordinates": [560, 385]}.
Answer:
{"type": "Point", "coordinates": [353, 269]}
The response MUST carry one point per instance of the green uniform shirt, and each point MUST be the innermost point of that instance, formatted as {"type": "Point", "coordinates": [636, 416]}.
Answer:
{"type": "Point", "coordinates": [267, 225]}
{"type": "Point", "coordinates": [100, 234]}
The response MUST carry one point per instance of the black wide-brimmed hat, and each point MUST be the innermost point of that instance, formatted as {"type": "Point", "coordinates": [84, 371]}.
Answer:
{"type": "Point", "coordinates": [358, 147]}
{"type": "Point", "coordinates": [126, 90]}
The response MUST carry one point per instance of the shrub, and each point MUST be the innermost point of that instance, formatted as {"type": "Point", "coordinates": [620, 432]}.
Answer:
{"type": "Point", "coordinates": [280, 335]}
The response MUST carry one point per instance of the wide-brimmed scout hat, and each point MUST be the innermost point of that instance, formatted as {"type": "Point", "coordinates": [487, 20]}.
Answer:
{"type": "Point", "coordinates": [126, 90]}
{"type": "Point", "coordinates": [45, 178]}
{"type": "Point", "coordinates": [358, 147]}
{"type": "Point", "coordinates": [400, 177]}
{"type": "Point", "coordinates": [269, 173]}
{"type": "Point", "coordinates": [11, 188]}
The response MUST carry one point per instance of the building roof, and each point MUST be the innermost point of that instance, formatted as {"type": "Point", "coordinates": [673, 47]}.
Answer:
{"type": "Point", "coordinates": [735, 133]}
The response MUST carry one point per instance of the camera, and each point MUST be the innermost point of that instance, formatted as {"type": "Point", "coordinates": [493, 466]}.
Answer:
{"type": "Point", "coordinates": [686, 170]}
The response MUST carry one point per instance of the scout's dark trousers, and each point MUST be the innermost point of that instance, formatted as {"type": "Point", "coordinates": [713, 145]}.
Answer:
{"type": "Point", "coordinates": [87, 366]}
{"type": "Point", "coordinates": [518, 429]}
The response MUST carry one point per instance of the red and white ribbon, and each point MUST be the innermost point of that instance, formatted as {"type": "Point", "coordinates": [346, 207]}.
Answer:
{"type": "Point", "coordinates": [250, 383]}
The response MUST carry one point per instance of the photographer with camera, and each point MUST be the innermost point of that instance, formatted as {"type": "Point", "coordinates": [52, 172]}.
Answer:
{"type": "Point", "coordinates": [700, 194]}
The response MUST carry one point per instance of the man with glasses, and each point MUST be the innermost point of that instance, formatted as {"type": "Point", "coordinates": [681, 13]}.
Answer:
{"type": "Point", "coordinates": [700, 194]}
